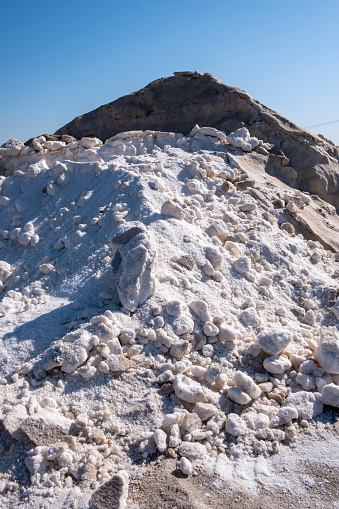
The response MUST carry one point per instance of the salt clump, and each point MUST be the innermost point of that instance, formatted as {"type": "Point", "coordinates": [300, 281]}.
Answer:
{"type": "Point", "coordinates": [235, 425]}
{"type": "Point", "coordinates": [277, 364]}
{"type": "Point", "coordinates": [327, 352]}
{"type": "Point", "coordinates": [188, 390]}
{"type": "Point", "coordinates": [330, 395]}
{"type": "Point", "coordinates": [242, 264]}
{"type": "Point", "coordinates": [274, 341]}
{"type": "Point", "coordinates": [134, 264]}
{"type": "Point", "coordinates": [306, 404]}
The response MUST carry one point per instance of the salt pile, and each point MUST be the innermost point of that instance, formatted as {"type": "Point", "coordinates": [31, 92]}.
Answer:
{"type": "Point", "coordinates": [186, 317]}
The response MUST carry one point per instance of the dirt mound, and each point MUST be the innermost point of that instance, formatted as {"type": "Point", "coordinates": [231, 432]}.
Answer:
{"type": "Point", "coordinates": [179, 102]}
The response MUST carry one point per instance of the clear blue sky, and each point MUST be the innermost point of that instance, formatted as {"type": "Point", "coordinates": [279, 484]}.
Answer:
{"type": "Point", "coordinates": [60, 59]}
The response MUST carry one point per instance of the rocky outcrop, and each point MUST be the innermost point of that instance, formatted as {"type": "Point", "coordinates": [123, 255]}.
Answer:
{"type": "Point", "coordinates": [179, 102]}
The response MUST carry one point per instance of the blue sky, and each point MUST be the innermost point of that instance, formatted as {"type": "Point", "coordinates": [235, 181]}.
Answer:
{"type": "Point", "coordinates": [60, 59]}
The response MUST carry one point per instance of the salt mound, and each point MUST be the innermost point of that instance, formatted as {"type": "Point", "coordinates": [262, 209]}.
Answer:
{"type": "Point", "coordinates": [155, 302]}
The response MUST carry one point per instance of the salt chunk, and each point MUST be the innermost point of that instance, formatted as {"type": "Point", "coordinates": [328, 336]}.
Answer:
{"type": "Point", "coordinates": [11, 147]}
{"type": "Point", "coordinates": [327, 352]}
{"type": "Point", "coordinates": [77, 356]}
{"type": "Point", "coordinates": [205, 410]}
{"type": "Point", "coordinates": [198, 371]}
{"type": "Point", "coordinates": [52, 189]}
{"type": "Point", "coordinates": [134, 264]}
{"type": "Point", "coordinates": [221, 230]}
{"type": "Point", "coordinates": [179, 349]}
{"type": "Point", "coordinates": [54, 145]}
{"type": "Point", "coordinates": [186, 466]}
{"type": "Point", "coordinates": [238, 396]}
{"type": "Point", "coordinates": [103, 332]}
{"type": "Point", "coordinates": [207, 350]}
{"type": "Point", "coordinates": [245, 382]}
{"type": "Point", "coordinates": [175, 436]}
{"type": "Point", "coordinates": [310, 317]}
{"type": "Point", "coordinates": [266, 281]}
{"type": "Point", "coordinates": [330, 395]}
{"type": "Point", "coordinates": [183, 325]}
{"type": "Point", "coordinates": [235, 425]}
{"type": "Point", "coordinates": [200, 308]}
{"type": "Point", "coordinates": [306, 404]}
{"type": "Point", "coordinates": [307, 367]}
{"type": "Point", "coordinates": [242, 139]}
{"type": "Point", "coordinates": [87, 142]}
{"type": "Point", "coordinates": [59, 168]}
{"type": "Point", "coordinates": [274, 341]}
{"type": "Point", "coordinates": [227, 333]}
{"type": "Point", "coordinates": [306, 381]}
{"type": "Point", "coordinates": [5, 271]}
{"type": "Point", "coordinates": [14, 419]}
{"type": "Point", "coordinates": [160, 439]}
{"type": "Point", "coordinates": [242, 264]}
{"type": "Point", "coordinates": [286, 414]}
{"type": "Point", "coordinates": [73, 239]}
{"type": "Point", "coordinates": [53, 357]}
{"type": "Point", "coordinates": [192, 450]}
{"type": "Point", "coordinates": [210, 329]}
{"type": "Point", "coordinates": [171, 419]}
{"type": "Point", "coordinates": [256, 421]}
{"type": "Point", "coordinates": [172, 209]}
{"type": "Point", "coordinates": [277, 364]}
{"type": "Point", "coordinates": [188, 390]}
{"type": "Point", "coordinates": [25, 238]}
{"type": "Point", "coordinates": [46, 268]}
{"type": "Point", "coordinates": [214, 256]}
{"type": "Point", "coordinates": [175, 308]}
{"type": "Point", "coordinates": [250, 317]}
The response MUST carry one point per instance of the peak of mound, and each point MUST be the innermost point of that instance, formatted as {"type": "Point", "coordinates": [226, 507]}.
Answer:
{"type": "Point", "coordinates": [179, 102]}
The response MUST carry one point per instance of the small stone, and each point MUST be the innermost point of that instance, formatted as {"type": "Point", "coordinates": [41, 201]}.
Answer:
{"type": "Point", "coordinates": [179, 349]}
{"type": "Point", "coordinates": [112, 494]}
{"type": "Point", "coordinates": [198, 371]}
{"type": "Point", "coordinates": [170, 419]}
{"type": "Point", "coordinates": [186, 261]}
{"type": "Point", "coordinates": [165, 377]}
{"type": "Point", "coordinates": [191, 422]}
